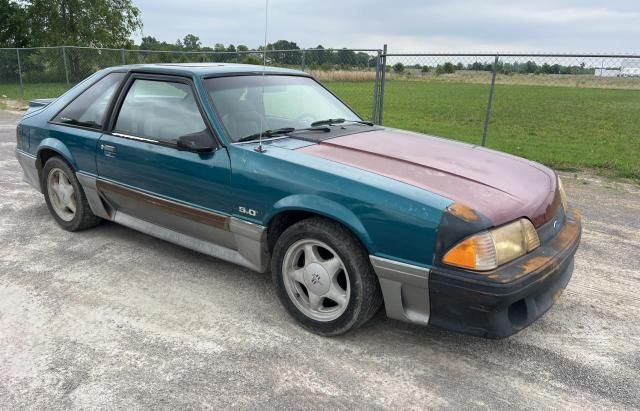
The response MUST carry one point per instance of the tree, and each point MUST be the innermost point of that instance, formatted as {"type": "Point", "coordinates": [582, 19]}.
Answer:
{"type": "Point", "coordinates": [93, 23]}
{"type": "Point", "coordinates": [398, 68]}
{"type": "Point", "coordinates": [96, 23]}
{"type": "Point", "coordinates": [191, 42]}
{"type": "Point", "coordinates": [449, 67]}
{"type": "Point", "coordinates": [446, 68]}
{"type": "Point", "coordinates": [318, 57]}
{"type": "Point", "coordinates": [530, 67]}
{"type": "Point", "coordinates": [149, 43]}
{"type": "Point", "coordinates": [13, 24]}
{"type": "Point", "coordinates": [283, 45]}
{"type": "Point", "coordinates": [250, 59]}
{"type": "Point", "coordinates": [286, 58]}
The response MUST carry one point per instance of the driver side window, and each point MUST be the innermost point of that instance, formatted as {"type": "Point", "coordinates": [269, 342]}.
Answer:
{"type": "Point", "coordinates": [159, 110]}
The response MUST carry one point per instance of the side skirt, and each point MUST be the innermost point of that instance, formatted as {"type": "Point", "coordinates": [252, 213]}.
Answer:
{"type": "Point", "coordinates": [184, 240]}
{"type": "Point", "coordinates": [245, 242]}
{"type": "Point", "coordinates": [88, 184]}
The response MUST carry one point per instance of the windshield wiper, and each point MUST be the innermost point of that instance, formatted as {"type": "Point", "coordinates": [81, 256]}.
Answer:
{"type": "Point", "coordinates": [332, 121]}
{"type": "Point", "coordinates": [280, 131]}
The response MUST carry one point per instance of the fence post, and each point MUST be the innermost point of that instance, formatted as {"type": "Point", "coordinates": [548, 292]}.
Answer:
{"type": "Point", "coordinates": [302, 61]}
{"type": "Point", "coordinates": [124, 59]}
{"type": "Point", "coordinates": [382, 80]}
{"type": "Point", "coordinates": [66, 67]}
{"type": "Point", "coordinates": [20, 73]}
{"type": "Point", "coordinates": [489, 103]}
{"type": "Point", "coordinates": [376, 89]}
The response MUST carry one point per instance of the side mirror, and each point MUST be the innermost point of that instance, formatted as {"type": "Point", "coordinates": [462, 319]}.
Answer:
{"type": "Point", "coordinates": [200, 142]}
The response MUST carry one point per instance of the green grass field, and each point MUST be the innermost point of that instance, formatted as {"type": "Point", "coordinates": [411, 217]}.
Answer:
{"type": "Point", "coordinates": [563, 127]}
{"type": "Point", "coordinates": [32, 91]}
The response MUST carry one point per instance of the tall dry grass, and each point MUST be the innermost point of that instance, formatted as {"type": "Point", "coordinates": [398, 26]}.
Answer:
{"type": "Point", "coordinates": [484, 77]}
{"type": "Point", "coordinates": [343, 75]}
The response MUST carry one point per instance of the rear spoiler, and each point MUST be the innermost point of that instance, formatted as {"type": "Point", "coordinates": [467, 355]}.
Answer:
{"type": "Point", "coordinates": [38, 104]}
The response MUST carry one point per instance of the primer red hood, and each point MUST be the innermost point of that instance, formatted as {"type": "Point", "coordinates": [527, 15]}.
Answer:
{"type": "Point", "coordinates": [500, 186]}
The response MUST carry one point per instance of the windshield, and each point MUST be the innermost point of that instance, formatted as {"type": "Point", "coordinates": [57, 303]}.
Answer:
{"type": "Point", "coordinates": [287, 101]}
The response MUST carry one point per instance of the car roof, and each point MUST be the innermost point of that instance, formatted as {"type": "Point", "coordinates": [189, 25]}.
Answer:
{"type": "Point", "coordinates": [207, 69]}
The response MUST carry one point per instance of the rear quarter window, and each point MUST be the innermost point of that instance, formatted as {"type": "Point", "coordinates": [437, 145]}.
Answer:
{"type": "Point", "coordinates": [89, 108]}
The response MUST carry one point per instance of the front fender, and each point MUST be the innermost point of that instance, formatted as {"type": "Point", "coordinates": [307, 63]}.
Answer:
{"type": "Point", "coordinates": [59, 147]}
{"type": "Point", "coordinates": [325, 207]}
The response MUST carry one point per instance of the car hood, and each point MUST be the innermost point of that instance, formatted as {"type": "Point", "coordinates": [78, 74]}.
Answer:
{"type": "Point", "coordinates": [500, 186]}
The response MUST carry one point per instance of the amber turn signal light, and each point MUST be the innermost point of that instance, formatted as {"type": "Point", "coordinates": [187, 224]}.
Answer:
{"type": "Point", "coordinates": [490, 249]}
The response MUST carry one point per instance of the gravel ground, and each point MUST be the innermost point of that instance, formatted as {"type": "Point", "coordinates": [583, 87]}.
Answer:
{"type": "Point", "coordinates": [111, 318]}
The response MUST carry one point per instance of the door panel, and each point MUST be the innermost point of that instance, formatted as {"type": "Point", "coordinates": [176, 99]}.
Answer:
{"type": "Point", "coordinates": [189, 179]}
{"type": "Point", "coordinates": [144, 175]}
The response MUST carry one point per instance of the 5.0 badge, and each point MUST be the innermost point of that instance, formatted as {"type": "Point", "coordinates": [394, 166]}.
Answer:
{"type": "Point", "coordinates": [247, 211]}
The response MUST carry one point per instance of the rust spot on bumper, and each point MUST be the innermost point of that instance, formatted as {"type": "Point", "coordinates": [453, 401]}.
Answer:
{"type": "Point", "coordinates": [545, 258]}
{"type": "Point", "coordinates": [463, 212]}
{"type": "Point", "coordinates": [534, 263]}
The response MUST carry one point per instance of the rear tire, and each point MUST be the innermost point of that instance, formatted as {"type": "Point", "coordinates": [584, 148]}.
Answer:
{"type": "Point", "coordinates": [323, 277]}
{"type": "Point", "coordinates": [65, 198]}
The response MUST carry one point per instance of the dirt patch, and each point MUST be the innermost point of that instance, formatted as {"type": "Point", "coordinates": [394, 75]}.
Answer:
{"type": "Point", "coordinates": [13, 106]}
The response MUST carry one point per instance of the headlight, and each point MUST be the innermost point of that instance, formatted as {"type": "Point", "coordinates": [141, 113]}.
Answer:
{"type": "Point", "coordinates": [563, 195]}
{"type": "Point", "coordinates": [489, 249]}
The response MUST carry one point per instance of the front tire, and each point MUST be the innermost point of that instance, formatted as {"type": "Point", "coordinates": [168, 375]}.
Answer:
{"type": "Point", "coordinates": [323, 277]}
{"type": "Point", "coordinates": [65, 198]}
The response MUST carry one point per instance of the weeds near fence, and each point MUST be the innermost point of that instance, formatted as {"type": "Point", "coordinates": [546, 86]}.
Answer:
{"type": "Point", "coordinates": [343, 75]}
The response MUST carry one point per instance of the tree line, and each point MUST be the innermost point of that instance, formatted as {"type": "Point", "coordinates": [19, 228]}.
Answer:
{"type": "Point", "coordinates": [111, 24]}
{"type": "Point", "coordinates": [318, 57]}
{"type": "Point", "coordinates": [528, 67]}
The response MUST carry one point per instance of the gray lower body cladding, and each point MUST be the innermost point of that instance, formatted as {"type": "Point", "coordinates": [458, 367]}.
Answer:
{"type": "Point", "coordinates": [29, 166]}
{"type": "Point", "coordinates": [217, 235]}
{"type": "Point", "coordinates": [405, 289]}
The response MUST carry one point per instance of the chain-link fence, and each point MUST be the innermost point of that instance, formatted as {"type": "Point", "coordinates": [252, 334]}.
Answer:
{"type": "Point", "coordinates": [49, 71]}
{"type": "Point", "coordinates": [563, 110]}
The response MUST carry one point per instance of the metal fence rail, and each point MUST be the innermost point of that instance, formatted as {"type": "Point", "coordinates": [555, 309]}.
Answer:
{"type": "Point", "coordinates": [476, 97]}
{"type": "Point", "coordinates": [477, 85]}
{"type": "Point", "coordinates": [26, 72]}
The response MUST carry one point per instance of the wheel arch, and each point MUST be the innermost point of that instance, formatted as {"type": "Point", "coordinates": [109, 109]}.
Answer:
{"type": "Point", "coordinates": [293, 209]}
{"type": "Point", "coordinates": [51, 147]}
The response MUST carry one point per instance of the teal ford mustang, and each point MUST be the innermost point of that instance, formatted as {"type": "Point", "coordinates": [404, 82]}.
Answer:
{"type": "Point", "coordinates": [270, 170]}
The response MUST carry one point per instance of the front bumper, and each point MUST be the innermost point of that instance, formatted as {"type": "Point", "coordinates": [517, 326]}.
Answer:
{"type": "Point", "coordinates": [500, 303]}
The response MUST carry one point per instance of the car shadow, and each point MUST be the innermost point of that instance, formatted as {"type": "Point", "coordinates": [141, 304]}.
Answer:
{"type": "Point", "coordinates": [379, 330]}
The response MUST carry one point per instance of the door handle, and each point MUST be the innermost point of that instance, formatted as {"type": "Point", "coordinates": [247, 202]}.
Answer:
{"type": "Point", "coordinates": [108, 150]}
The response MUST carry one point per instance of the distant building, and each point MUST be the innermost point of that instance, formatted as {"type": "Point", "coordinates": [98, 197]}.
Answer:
{"type": "Point", "coordinates": [621, 72]}
{"type": "Point", "coordinates": [630, 72]}
{"type": "Point", "coordinates": [602, 72]}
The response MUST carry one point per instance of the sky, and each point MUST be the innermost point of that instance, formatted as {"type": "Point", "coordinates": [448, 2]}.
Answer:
{"type": "Point", "coordinates": [567, 26]}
